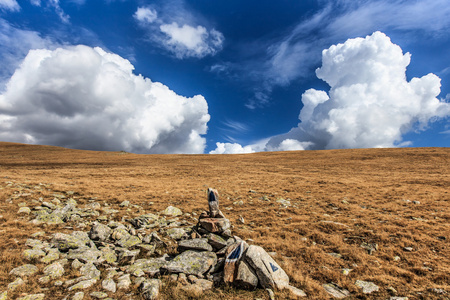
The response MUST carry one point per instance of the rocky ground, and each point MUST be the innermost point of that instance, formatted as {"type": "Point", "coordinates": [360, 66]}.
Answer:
{"type": "Point", "coordinates": [369, 224]}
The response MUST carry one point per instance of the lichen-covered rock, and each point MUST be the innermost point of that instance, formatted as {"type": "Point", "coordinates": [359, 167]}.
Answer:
{"type": "Point", "coordinates": [89, 271]}
{"type": "Point", "coordinates": [195, 244]}
{"type": "Point", "coordinates": [85, 284]}
{"type": "Point", "coordinates": [64, 242]}
{"type": "Point", "coordinates": [84, 254]}
{"type": "Point", "coordinates": [52, 255]}
{"type": "Point", "coordinates": [150, 266]}
{"type": "Point", "coordinates": [192, 263]}
{"type": "Point", "coordinates": [269, 273]}
{"type": "Point", "coordinates": [4, 295]}
{"type": "Point", "coordinates": [172, 211]}
{"type": "Point", "coordinates": [129, 241]}
{"type": "Point", "coordinates": [367, 287]}
{"type": "Point", "coordinates": [98, 295]}
{"type": "Point", "coordinates": [36, 244]}
{"type": "Point", "coordinates": [109, 255]}
{"type": "Point", "coordinates": [150, 289]}
{"type": "Point", "coordinates": [216, 241]}
{"type": "Point", "coordinates": [78, 296]}
{"type": "Point", "coordinates": [100, 232]}
{"type": "Point", "coordinates": [32, 297]}
{"type": "Point", "coordinates": [124, 282]}
{"type": "Point", "coordinates": [15, 284]}
{"type": "Point", "coordinates": [25, 270]}
{"type": "Point", "coordinates": [176, 233]}
{"type": "Point", "coordinates": [50, 218]}
{"type": "Point", "coordinates": [33, 254]}
{"type": "Point", "coordinates": [109, 285]}
{"type": "Point", "coordinates": [55, 270]}
{"type": "Point", "coordinates": [24, 210]}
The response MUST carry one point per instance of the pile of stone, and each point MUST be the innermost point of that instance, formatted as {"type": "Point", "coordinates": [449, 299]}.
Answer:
{"type": "Point", "coordinates": [133, 256]}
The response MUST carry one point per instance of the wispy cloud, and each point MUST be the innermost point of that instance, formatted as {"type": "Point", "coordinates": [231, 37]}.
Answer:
{"type": "Point", "coordinates": [9, 5]}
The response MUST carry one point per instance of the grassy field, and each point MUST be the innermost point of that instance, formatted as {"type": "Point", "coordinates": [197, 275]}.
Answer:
{"type": "Point", "coordinates": [338, 201]}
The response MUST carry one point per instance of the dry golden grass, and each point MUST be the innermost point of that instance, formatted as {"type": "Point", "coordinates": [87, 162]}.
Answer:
{"type": "Point", "coordinates": [339, 199]}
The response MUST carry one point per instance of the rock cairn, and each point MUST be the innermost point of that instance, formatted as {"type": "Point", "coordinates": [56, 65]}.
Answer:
{"type": "Point", "coordinates": [133, 255]}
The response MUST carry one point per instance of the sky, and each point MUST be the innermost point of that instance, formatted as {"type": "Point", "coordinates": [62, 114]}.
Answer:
{"type": "Point", "coordinates": [178, 76]}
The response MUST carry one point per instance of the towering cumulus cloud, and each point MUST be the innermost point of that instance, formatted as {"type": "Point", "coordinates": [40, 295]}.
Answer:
{"type": "Point", "coordinates": [370, 103]}
{"type": "Point", "coordinates": [86, 98]}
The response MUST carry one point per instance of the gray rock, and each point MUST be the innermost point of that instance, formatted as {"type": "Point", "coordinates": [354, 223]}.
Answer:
{"type": "Point", "coordinates": [100, 232]}
{"type": "Point", "coordinates": [98, 295]}
{"type": "Point", "coordinates": [125, 203]}
{"type": "Point", "coordinates": [123, 282]}
{"type": "Point", "coordinates": [89, 271]}
{"type": "Point", "coordinates": [4, 295]}
{"type": "Point", "coordinates": [216, 241]}
{"type": "Point", "coordinates": [176, 233]}
{"type": "Point", "coordinates": [33, 297]}
{"type": "Point", "coordinates": [52, 255]}
{"type": "Point", "coordinates": [36, 244]}
{"type": "Point", "coordinates": [84, 254]}
{"type": "Point", "coordinates": [109, 285]}
{"type": "Point", "coordinates": [109, 255]}
{"type": "Point", "coordinates": [172, 211]}
{"type": "Point", "coordinates": [24, 210]}
{"type": "Point", "coordinates": [269, 273]}
{"type": "Point", "coordinates": [367, 287]}
{"type": "Point", "coordinates": [25, 270]}
{"type": "Point", "coordinates": [194, 244]}
{"type": "Point", "coordinates": [215, 225]}
{"type": "Point", "coordinates": [85, 284]}
{"type": "Point", "coordinates": [335, 290]}
{"type": "Point", "coordinates": [192, 263]}
{"type": "Point", "coordinates": [150, 289]}
{"type": "Point", "coordinates": [15, 284]}
{"type": "Point", "coordinates": [78, 296]}
{"type": "Point", "coordinates": [127, 256]}
{"type": "Point", "coordinates": [150, 266]}
{"type": "Point", "coordinates": [398, 298]}
{"type": "Point", "coordinates": [64, 242]}
{"type": "Point", "coordinates": [143, 221]}
{"type": "Point", "coordinates": [271, 294]}
{"type": "Point", "coordinates": [76, 264]}
{"type": "Point", "coordinates": [55, 270]}
{"type": "Point", "coordinates": [33, 254]}
{"type": "Point", "coordinates": [246, 277]}
{"type": "Point", "coordinates": [295, 292]}
{"type": "Point", "coordinates": [129, 241]}
{"type": "Point", "coordinates": [408, 249]}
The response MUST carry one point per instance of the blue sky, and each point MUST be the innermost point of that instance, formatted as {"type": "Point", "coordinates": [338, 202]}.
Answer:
{"type": "Point", "coordinates": [203, 76]}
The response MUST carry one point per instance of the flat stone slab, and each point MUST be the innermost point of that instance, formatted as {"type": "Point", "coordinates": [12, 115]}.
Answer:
{"type": "Point", "coordinates": [215, 225]}
{"type": "Point", "coordinates": [335, 290]}
{"type": "Point", "coordinates": [269, 273]}
{"type": "Point", "coordinates": [150, 266]}
{"type": "Point", "coordinates": [367, 287]}
{"type": "Point", "coordinates": [25, 270]}
{"type": "Point", "coordinates": [192, 263]}
{"type": "Point", "coordinates": [195, 244]}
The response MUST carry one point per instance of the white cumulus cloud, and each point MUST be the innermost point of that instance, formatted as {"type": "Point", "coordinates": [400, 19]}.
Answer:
{"type": "Point", "coordinates": [187, 41]}
{"type": "Point", "coordinates": [231, 148]}
{"type": "Point", "coordinates": [370, 102]}
{"type": "Point", "coordinates": [10, 5]}
{"type": "Point", "coordinates": [86, 98]}
{"type": "Point", "coordinates": [145, 15]}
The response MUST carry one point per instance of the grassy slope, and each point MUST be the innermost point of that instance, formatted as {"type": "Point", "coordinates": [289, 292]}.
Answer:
{"type": "Point", "coordinates": [364, 192]}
